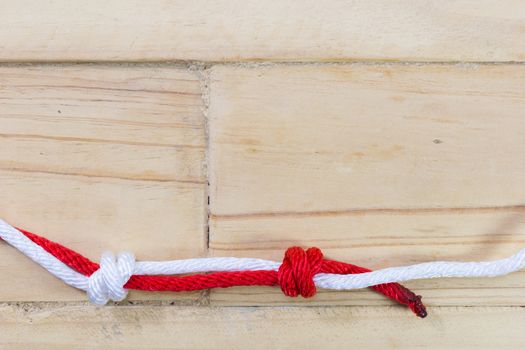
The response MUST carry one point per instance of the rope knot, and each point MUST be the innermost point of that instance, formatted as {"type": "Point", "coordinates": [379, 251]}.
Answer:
{"type": "Point", "coordinates": [296, 273]}
{"type": "Point", "coordinates": [107, 283]}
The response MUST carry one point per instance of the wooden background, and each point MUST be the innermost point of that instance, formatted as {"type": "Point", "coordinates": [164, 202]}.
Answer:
{"type": "Point", "coordinates": [384, 132]}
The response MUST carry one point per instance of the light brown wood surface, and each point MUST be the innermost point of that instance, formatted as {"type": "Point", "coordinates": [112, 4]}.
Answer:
{"type": "Point", "coordinates": [383, 132]}
{"type": "Point", "coordinates": [386, 164]}
{"type": "Point", "coordinates": [275, 30]}
{"type": "Point", "coordinates": [171, 327]}
{"type": "Point", "coordinates": [100, 158]}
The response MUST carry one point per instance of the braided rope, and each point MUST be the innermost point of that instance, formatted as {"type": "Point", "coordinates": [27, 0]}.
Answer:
{"type": "Point", "coordinates": [111, 279]}
{"type": "Point", "coordinates": [300, 273]}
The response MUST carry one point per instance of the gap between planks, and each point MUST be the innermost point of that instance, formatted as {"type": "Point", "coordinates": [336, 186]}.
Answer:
{"type": "Point", "coordinates": [200, 66]}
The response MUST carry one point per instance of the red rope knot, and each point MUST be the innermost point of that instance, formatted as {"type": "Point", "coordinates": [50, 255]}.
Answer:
{"type": "Point", "coordinates": [296, 273]}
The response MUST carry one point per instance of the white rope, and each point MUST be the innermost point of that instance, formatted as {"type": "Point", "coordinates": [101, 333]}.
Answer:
{"type": "Point", "coordinates": [36, 253]}
{"type": "Point", "coordinates": [177, 267]}
{"type": "Point", "coordinates": [107, 282]}
{"type": "Point", "coordinates": [436, 269]}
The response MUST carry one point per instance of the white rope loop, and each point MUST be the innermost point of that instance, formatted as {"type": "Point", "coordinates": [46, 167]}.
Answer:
{"type": "Point", "coordinates": [107, 283]}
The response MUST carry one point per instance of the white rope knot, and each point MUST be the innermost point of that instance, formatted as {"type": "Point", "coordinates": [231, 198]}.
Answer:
{"type": "Point", "coordinates": [107, 283]}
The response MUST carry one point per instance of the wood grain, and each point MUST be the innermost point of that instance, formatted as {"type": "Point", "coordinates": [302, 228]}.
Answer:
{"type": "Point", "coordinates": [100, 158]}
{"type": "Point", "coordinates": [235, 30]}
{"type": "Point", "coordinates": [384, 132]}
{"type": "Point", "coordinates": [87, 327]}
{"type": "Point", "coordinates": [379, 165]}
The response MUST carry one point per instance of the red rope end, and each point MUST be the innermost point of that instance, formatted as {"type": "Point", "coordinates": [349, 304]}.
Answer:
{"type": "Point", "coordinates": [416, 305]}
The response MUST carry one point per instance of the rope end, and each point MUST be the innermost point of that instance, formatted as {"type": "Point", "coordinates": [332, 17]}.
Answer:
{"type": "Point", "coordinates": [417, 306]}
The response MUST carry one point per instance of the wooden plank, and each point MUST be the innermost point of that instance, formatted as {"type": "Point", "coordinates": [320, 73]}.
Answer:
{"type": "Point", "coordinates": [139, 327]}
{"type": "Point", "coordinates": [158, 30]}
{"type": "Point", "coordinates": [100, 158]}
{"type": "Point", "coordinates": [378, 165]}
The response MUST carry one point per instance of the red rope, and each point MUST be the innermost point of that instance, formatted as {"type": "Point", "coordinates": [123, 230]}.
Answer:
{"type": "Point", "coordinates": [295, 275]}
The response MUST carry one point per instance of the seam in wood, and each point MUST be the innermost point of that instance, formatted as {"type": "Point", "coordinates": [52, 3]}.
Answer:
{"type": "Point", "coordinates": [376, 211]}
{"type": "Point", "coordinates": [97, 88]}
{"type": "Point", "coordinates": [102, 176]}
{"type": "Point", "coordinates": [250, 61]}
{"type": "Point", "coordinates": [253, 63]}
{"type": "Point", "coordinates": [91, 140]}
{"type": "Point", "coordinates": [203, 74]}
